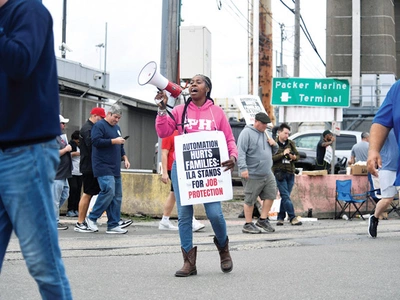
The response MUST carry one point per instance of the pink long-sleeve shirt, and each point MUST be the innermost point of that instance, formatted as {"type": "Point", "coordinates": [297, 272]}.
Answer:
{"type": "Point", "coordinates": [205, 118]}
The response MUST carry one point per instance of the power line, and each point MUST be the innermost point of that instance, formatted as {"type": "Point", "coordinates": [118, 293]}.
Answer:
{"type": "Point", "coordinates": [306, 32]}
{"type": "Point", "coordinates": [239, 11]}
{"type": "Point", "coordinates": [232, 12]}
{"type": "Point", "coordinates": [241, 16]}
{"type": "Point", "coordinates": [238, 15]}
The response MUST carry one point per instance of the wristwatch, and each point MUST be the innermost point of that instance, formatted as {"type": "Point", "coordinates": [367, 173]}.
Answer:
{"type": "Point", "coordinates": [162, 112]}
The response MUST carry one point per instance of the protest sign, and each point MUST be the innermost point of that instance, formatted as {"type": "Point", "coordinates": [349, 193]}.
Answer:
{"type": "Point", "coordinates": [249, 106]}
{"type": "Point", "coordinates": [201, 177]}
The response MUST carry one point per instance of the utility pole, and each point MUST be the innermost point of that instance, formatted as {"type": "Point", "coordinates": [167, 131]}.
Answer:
{"type": "Point", "coordinates": [283, 37]}
{"type": "Point", "coordinates": [171, 17]}
{"type": "Point", "coordinates": [64, 29]}
{"type": "Point", "coordinates": [169, 61]}
{"type": "Point", "coordinates": [105, 59]}
{"type": "Point", "coordinates": [296, 69]}
{"type": "Point", "coordinates": [256, 46]}
{"type": "Point", "coordinates": [265, 56]}
{"type": "Point", "coordinates": [296, 62]}
{"type": "Point", "coordinates": [250, 5]}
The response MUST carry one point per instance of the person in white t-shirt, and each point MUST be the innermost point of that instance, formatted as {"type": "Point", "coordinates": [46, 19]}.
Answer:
{"type": "Point", "coordinates": [75, 182]}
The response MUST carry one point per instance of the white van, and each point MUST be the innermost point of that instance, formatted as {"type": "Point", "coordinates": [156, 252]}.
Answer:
{"type": "Point", "coordinates": [307, 142]}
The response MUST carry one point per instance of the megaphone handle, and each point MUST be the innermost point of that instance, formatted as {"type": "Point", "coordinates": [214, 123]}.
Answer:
{"type": "Point", "coordinates": [160, 102]}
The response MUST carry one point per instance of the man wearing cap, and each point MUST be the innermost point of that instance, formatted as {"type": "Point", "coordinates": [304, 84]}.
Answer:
{"type": "Point", "coordinates": [64, 171]}
{"type": "Point", "coordinates": [90, 184]}
{"type": "Point", "coordinates": [256, 148]}
{"type": "Point", "coordinates": [326, 141]}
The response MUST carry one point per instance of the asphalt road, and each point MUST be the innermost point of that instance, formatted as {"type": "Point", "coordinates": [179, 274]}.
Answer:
{"type": "Point", "coordinates": [326, 259]}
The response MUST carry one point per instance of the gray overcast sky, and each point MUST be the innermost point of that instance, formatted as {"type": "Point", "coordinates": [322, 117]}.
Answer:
{"type": "Point", "coordinates": [134, 37]}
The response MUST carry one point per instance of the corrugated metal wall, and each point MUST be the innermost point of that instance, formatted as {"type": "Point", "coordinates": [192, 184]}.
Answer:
{"type": "Point", "coordinates": [378, 37]}
{"type": "Point", "coordinates": [397, 28]}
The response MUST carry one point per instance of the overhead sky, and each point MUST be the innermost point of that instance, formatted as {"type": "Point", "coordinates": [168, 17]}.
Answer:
{"type": "Point", "coordinates": [134, 38]}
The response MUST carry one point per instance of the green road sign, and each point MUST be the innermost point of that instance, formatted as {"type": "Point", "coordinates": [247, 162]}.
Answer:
{"type": "Point", "coordinates": [324, 92]}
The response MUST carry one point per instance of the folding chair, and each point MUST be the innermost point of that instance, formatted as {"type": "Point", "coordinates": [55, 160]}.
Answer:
{"type": "Point", "coordinates": [375, 195]}
{"type": "Point", "coordinates": [345, 199]}
{"type": "Point", "coordinates": [395, 207]}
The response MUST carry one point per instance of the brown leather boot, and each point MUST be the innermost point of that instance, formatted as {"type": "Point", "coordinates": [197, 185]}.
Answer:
{"type": "Point", "coordinates": [189, 263]}
{"type": "Point", "coordinates": [226, 260]}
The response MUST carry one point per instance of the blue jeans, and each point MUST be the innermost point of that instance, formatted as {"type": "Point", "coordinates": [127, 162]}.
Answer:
{"type": "Point", "coordinates": [285, 187]}
{"type": "Point", "coordinates": [185, 217]}
{"type": "Point", "coordinates": [109, 200]}
{"type": "Point", "coordinates": [27, 174]}
{"type": "Point", "coordinates": [60, 195]}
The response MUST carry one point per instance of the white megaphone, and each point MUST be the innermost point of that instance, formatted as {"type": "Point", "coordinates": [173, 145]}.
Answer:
{"type": "Point", "coordinates": [149, 74]}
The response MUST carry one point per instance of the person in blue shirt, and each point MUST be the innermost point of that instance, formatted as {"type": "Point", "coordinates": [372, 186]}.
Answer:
{"type": "Point", "coordinates": [29, 157]}
{"type": "Point", "coordinates": [387, 176]}
{"type": "Point", "coordinates": [107, 154]}
{"type": "Point", "coordinates": [386, 118]}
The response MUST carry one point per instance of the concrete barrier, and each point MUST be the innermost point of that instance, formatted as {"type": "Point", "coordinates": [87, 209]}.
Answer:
{"type": "Point", "coordinates": [318, 193]}
{"type": "Point", "coordinates": [145, 194]}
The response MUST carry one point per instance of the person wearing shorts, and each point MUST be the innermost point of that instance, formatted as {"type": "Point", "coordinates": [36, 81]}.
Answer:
{"type": "Point", "coordinates": [90, 185]}
{"type": "Point", "coordinates": [255, 149]}
{"type": "Point", "coordinates": [167, 159]}
{"type": "Point", "coordinates": [386, 177]}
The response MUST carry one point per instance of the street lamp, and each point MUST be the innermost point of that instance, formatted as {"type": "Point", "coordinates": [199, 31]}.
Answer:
{"type": "Point", "coordinates": [239, 77]}
{"type": "Point", "coordinates": [104, 45]}
{"type": "Point", "coordinates": [100, 46]}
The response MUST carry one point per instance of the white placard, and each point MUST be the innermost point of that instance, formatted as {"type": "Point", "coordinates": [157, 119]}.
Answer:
{"type": "Point", "coordinates": [249, 106]}
{"type": "Point", "coordinates": [328, 154]}
{"type": "Point", "coordinates": [335, 128]}
{"type": "Point", "coordinates": [201, 177]}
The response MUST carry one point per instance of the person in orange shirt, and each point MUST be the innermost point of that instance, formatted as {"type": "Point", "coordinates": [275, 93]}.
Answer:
{"type": "Point", "coordinates": [167, 158]}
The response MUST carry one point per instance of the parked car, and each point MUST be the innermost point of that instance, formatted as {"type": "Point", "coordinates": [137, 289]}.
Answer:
{"type": "Point", "coordinates": [307, 142]}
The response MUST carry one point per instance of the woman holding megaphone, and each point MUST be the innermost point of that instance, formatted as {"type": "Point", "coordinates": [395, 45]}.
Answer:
{"type": "Point", "coordinates": [198, 114]}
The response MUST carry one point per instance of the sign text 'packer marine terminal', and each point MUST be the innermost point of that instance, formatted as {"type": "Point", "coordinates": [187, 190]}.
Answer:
{"type": "Point", "coordinates": [325, 92]}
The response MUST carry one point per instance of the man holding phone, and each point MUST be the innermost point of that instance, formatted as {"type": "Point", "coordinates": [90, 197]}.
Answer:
{"type": "Point", "coordinates": [107, 153]}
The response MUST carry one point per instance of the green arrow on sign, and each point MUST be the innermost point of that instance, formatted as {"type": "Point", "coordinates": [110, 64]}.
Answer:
{"type": "Point", "coordinates": [324, 92]}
